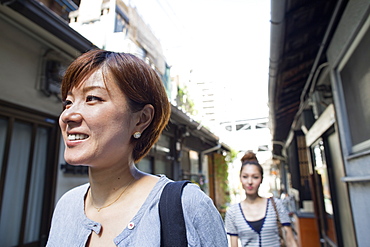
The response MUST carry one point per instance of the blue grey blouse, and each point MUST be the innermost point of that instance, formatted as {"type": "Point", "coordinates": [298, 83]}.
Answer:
{"type": "Point", "coordinates": [204, 225]}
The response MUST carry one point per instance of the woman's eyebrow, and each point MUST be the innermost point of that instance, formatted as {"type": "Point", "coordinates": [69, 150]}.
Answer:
{"type": "Point", "coordinates": [87, 89]}
{"type": "Point", "coordinates": [90, 88]}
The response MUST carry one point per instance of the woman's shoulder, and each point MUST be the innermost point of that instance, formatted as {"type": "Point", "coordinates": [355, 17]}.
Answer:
{"type": "Point", "coordinates": [75, 194]}
{"type": "Point", "coordinates": [233, 210]}
{"type": "Point", "coordinates": [192, 197]}
{"type": "Point", "coordinates": [195, 200]}
{"type": "Point", "coordinates": [234, 206]}
{"type": "Point", "coordinates": [192, 191]}
{"type": "Point", "coordinates": [78, 190]}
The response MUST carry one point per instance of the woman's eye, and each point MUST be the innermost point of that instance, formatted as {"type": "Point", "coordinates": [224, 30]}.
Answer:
{"type": "Point", "coordinates": [93, 98]}
{"type": "Point", "coordinates": [67, 103]}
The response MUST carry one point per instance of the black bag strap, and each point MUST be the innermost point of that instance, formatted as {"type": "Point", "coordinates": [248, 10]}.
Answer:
{"type": "Point", "coordinates": [173, 230]}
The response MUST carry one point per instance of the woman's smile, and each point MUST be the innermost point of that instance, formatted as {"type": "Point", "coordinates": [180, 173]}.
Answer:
{"type": "Point", "coordinates": [74, 137]}
{"type": "Point", "coordinates": [74, 140]}
{"type": "Point", "coordinates": [89, 139]}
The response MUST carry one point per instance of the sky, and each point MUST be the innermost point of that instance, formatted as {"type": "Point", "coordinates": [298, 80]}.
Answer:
{"type": "Point", "coordinates": [225, 41]}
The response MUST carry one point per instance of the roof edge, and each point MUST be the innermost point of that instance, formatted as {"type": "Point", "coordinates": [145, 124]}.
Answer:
{"type": "Point", "coordinates": [48, 20]}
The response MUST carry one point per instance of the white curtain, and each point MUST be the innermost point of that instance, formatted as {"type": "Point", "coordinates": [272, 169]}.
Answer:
{"type": "Point", "coordinates": [36, 194]}
{"type": "Point", "coordinates": [12, 206]}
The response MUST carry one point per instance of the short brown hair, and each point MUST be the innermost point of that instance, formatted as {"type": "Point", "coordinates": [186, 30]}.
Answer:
{"type": "Point", "coordinates": [137, 80]}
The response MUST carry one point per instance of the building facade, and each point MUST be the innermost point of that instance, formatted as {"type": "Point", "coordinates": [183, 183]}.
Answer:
{"type": "Point", "coordinates": [319, 111]}
{"type": "Point", "coordinates": [37, 44]}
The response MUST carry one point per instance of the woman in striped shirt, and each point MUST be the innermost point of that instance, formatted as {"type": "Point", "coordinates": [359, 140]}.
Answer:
{"type": "Point", "coordinates": [254, 220]}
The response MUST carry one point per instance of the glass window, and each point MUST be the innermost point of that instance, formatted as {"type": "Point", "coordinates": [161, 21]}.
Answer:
{"type": "Point", "coordinates": [162, 166]}
{"type": "Point", "coordinates": [27, 154]}
{"type": "Point", "coordinates": [120, 24]}
{"type": "Point", "coordinates": [163, 143]}
{"type": "Point", "coordinates": [36, 192]}
{"type": "Point", "coordinates": [146, 165]}
{"type": "Point", "coordinates": [355, 77]}
{"type": "Point", "coordinates": [3, 130]}
{"type": "Point", "coordinates": [15, 184]}
{"type": "Point", "coordinates": [324, 197]}
{"type": "Point", "coordinates": [321, 169]}
{"type": "Point", "coordinates": [194, 162]}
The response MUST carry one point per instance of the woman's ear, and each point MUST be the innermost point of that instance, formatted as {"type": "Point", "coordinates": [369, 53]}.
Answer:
{"type": "Point", "coordinates": [146, 116]}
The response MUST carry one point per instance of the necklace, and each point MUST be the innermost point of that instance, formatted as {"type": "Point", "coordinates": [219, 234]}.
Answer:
{"type": "Point", "coordinates": [123, 191]}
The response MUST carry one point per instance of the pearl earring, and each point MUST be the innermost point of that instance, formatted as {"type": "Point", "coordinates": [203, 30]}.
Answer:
{"type": "Point", "coordinates": [137, 135]}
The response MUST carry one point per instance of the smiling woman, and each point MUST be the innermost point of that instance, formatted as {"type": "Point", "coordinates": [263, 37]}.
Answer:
{"type": "Point", "coordinates": [115, 108]}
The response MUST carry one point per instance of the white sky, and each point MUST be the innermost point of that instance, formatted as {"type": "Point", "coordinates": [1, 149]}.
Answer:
{"type": "Point", "coordinates": [225, 41]}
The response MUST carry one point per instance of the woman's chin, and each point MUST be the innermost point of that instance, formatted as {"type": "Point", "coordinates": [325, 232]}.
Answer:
{"type": "Point", "coordinates": [74, 161]}
{"type": "Point", "coordinates": [250, 193]}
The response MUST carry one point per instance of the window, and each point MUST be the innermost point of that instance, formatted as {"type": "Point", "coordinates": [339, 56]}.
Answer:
{"type": "Point", "coordinates": [355, 77]}
{"type": "Point", "coordinates": [27, 151]}
{"type": "Point", "coordinates": [121, 23]}
{"type": "Point", "coordinates": [146, 164]}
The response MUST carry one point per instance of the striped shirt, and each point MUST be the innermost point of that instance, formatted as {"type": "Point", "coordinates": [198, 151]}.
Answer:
{"type": "Point", "coordinates": [237, 225]}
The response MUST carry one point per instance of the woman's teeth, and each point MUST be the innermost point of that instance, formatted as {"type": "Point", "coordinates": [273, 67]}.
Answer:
{"type": "Point", "coordinates": [77, 137]}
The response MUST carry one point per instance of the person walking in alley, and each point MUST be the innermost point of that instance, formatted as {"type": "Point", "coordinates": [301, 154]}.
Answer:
{"type": "Point", "coordinates": [255, 220]}
{"type": "Point", "coordinates": [115, 108]}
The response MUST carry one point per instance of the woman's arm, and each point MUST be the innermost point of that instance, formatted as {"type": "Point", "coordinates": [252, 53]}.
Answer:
{"type": "Point", "coordinates": [202, 217]}
{"type": "Point", "coordinates": [289, 237]}
{"type": "Point", "coordinates": [233, 241]}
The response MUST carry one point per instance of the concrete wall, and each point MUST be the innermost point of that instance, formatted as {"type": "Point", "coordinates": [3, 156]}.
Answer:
{"type": "Point", "coordinates": [353, 24]}
{"type": "Point", "coordinates": [23, 47]}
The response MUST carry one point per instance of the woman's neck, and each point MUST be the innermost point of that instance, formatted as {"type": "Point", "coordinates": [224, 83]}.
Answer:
{"type": "Point", "coordinates": [106, 184]}
{"type": "Point", "coordinates": [252, 198]}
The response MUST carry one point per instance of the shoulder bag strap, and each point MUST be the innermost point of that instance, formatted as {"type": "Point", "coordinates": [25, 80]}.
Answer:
{"type": "Point", "coordinates": [173, 230]}
{"type": "Point", "coordinates": [280, 227]}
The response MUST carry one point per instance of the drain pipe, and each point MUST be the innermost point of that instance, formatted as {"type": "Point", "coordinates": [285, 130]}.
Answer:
{"type": "Point", "coordinates": [211, 149]}
{"type": "Point", "coordinates": [276, 50]}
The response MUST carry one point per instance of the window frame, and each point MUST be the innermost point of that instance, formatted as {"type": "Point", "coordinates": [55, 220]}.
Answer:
{"type": "Point", "coordinates": [12, 114]}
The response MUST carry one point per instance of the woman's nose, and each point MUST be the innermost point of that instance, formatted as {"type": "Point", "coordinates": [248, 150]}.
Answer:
{"type": "Point", "coordinates": [71, 115]}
